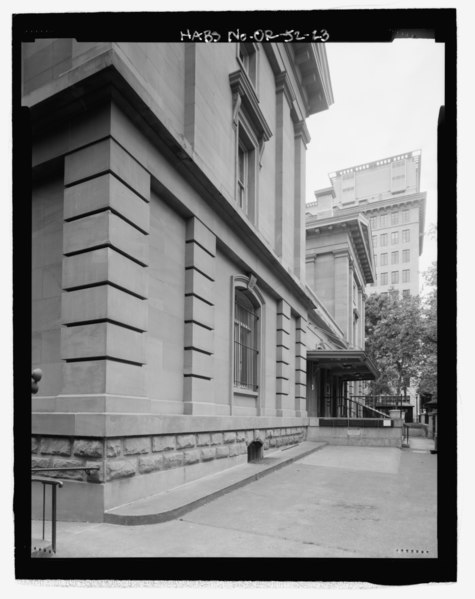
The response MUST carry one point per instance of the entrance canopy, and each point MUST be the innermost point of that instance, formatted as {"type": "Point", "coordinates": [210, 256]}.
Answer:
{"type": "Point", "coordinates": [349, 364]}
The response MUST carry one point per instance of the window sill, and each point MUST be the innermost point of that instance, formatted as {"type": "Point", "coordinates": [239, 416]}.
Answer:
{"type": "Point", "coordinates": [246, 392]}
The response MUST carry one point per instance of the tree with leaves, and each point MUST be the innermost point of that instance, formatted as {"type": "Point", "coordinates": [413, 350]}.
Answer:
{"type": "Point", "coordinates": [394, 334]}
{"type": "Point", "coordinates": [428, 374]}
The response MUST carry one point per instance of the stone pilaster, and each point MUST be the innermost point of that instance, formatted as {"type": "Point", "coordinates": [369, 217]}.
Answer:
{"type": "Point", "coordinates": [200, 264]}
{"type": "Point", "coordinates": [105, 247]}
{"type": "Point", "coordinates": [300, 367]}
{"type": "Point", "coordinates": [283, 357]}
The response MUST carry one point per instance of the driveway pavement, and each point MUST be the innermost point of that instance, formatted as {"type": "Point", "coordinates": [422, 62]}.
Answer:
{"type": "Point", "coordinates": [337, 502]}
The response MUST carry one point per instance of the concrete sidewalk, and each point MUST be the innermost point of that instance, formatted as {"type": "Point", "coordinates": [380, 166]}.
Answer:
{"type": "Point", "coordinates": [340, 501]}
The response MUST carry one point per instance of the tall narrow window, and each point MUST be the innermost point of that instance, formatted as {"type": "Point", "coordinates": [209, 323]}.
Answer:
{"type": "Point", "coordinates": [375, 241]}
{"type": "Point", "coordinates": [384, 259]}
{"type": "Point", "coordinates": [394, 237]}
{"type": "Point", "coordinates": [406, 256]}
{"type": "Point", "coordinates": [248, 57]}
{"type": "Point", "coordinates": [383, 220]}
{"type": "Point", "coordinates": [394, 218]}
{"type": "Point", "coordinates": [384, 239]}
{"type": "Point", "coordinates": [406, 235]}
{"type": "Point", "coordinates": [384, 278]}
{"type": "Point", "coordinates": [405, 216]}
{"type": "Point", "coordinates": [242, 177]}
{"type": "Point", "coordinates": [394, 257]}
{"type": "Point", "coordinates": [406, 276]}
{"type": "Point", "coordinates": [395, 277]}
{"type": "Point", "coordinates": [246, 321]}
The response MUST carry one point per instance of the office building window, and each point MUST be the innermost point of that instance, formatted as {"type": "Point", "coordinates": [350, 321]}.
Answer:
{"type": "Point", "coordinates": [394, 257]}
{"type": "Point", "coordinates": [406, 293]}
{"type": "Point", "coordinates": [394, 237]}
{"type": "Point", "coordinates": [383, 220]}
{"type": "Point", "coordinates": [384, 259]}
{"type": "Point", "coordinates": [375, 241]}
{"type": "Point", "coordinates": [406, 235]}
{"type": "Point", "coordinates": [384, 278]}
{"type": "Point", "coordinates": [246, 335]}
{"type": "Point", "coordinates": [394, 218]}
{"type": "Point", "coordinates": [395, 277]}
{"type": "Point", "coordinates": [373, 222]}
{"type": "Point", "coordinates": [406, 255]}
{"type": "Point", "coordinates": [405, 216]}
{"type": "Point", "coordinates": [384, 239]}
{"type": "Point", "coordinates": [406, 276]}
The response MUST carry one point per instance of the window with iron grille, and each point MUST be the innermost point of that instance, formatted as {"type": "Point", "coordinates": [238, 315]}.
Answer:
{"type": "Point", "coordinates": [246, 332]}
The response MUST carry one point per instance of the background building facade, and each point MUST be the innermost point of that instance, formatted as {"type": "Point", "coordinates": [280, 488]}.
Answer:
{"type": "Point", "coordinates": [387, 192]}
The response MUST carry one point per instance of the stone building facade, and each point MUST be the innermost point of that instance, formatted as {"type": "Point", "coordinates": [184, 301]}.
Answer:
{"type": "Point", "coordinates": [170, 311]}
{"type": "Point", "coordinates": [387, 192]}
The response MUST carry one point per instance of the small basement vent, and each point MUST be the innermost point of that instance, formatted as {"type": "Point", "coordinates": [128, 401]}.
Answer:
{"type": "Point", "coordinates": [254, 451]}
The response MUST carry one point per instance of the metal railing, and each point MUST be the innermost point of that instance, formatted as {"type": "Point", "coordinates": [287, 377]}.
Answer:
{"type": "Point", "coordinates": [349, 407]}
{"type": "Point", "coordinates": [55, 484]}
{"type": "Point", "coordinates": [375, 401]}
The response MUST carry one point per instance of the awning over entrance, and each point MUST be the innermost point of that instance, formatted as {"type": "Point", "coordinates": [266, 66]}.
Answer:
{"type": "Point", "coordinates": [349, 364]}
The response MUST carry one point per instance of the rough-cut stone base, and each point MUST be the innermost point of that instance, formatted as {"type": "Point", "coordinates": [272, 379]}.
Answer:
{"type": "Point", "coordinates": [134, 467]}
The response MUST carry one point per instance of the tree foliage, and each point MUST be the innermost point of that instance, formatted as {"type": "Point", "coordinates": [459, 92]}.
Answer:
{"type": "Point", "coordinates": [401, 338]}
{"type": "Point", "coordinates": [428, 375]}
{"type": "Point", "coordinates": [394, 333]}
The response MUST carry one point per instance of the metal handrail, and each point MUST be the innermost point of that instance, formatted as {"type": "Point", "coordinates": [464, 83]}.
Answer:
{"type": "Point", "coordinates": [348, 407]}
{"type": "Point", "coordinates": [54, 485]}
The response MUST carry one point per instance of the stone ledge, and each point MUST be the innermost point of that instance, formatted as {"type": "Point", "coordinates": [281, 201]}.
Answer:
{"type": "Point", "coordinates": [129, 425]}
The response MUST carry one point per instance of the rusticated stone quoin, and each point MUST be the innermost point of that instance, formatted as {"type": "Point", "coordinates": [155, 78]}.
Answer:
{"type": "Point", "coordinates": [120, 469]}
{"type": "Point", "coordinates": [163, 443]}
{"type": "Point", "coordinates": [114, 448]}
{"type": "Point", "coordinates": [88, 448]}
{"type": "Point", "coordinates": [55, 446]}
{"type": "Point", "coordinates": [135, 445]}
{"type": "Point", "coordinates": [95, 476]}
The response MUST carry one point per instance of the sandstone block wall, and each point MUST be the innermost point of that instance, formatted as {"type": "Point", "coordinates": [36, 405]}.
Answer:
{"type": "Point", "coordinates": [125, 457]}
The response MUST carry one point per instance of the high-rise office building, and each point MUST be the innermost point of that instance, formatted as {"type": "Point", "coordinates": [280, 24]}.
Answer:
{"type": "Point", "coordinates": [387, 192]}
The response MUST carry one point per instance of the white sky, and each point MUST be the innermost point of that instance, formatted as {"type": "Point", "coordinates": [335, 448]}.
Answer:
{"type": "Point", "coordinates": [387, 100]}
